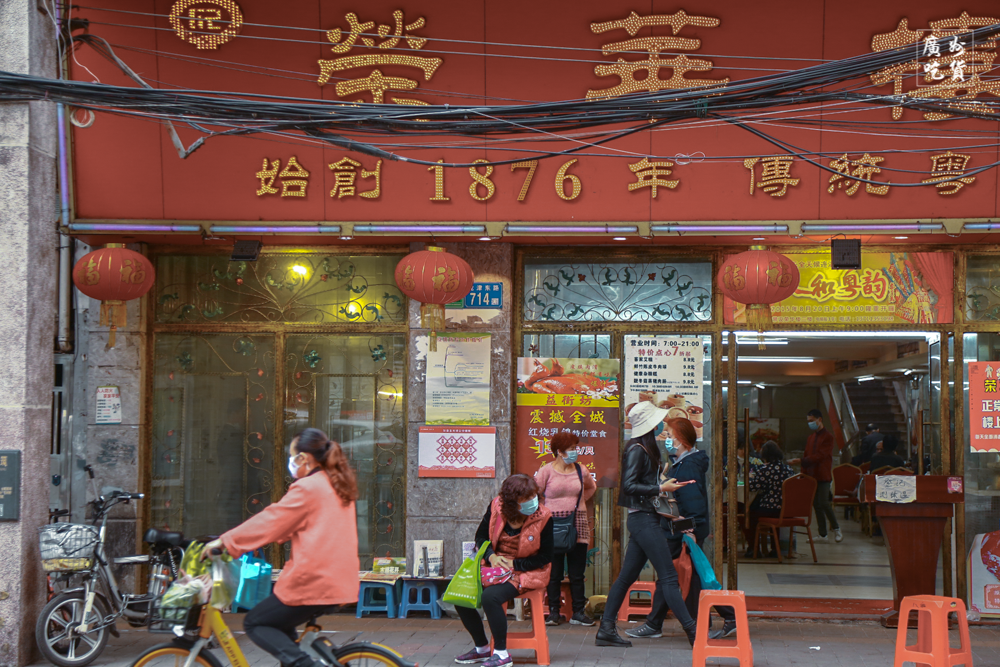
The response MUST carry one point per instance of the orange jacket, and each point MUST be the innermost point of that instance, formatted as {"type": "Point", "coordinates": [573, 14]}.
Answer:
{"type": "Point", "coordinates": [529, 543]}
{"type": "Point", "coordinates": [324, 566]}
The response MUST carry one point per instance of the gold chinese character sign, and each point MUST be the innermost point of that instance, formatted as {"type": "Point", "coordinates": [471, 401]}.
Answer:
{"type": "Point", "coordinates": [207, 24]}
{"type": "Point", "coordinates": [364, 35]}
{"type": "Point", "coordinates": [680, 65]}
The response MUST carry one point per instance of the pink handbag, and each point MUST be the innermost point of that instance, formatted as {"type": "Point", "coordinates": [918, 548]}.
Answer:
{"type": "Point", "coordinates": [496, 575]}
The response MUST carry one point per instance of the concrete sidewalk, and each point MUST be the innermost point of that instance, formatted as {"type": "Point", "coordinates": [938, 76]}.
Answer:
{"type": "Point", "coordinates": [436, 643]}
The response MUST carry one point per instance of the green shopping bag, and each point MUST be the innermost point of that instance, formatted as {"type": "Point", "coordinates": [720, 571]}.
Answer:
{"type": "Point", "coordinates": [466, 588]}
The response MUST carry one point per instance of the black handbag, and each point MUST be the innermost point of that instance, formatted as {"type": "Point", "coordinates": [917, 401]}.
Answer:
{"type": "Point", "coordinates": [564, 527]}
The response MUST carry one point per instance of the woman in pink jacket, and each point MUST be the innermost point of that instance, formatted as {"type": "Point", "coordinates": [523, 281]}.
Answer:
{"type": "Point", "coordinates": [318, 516]}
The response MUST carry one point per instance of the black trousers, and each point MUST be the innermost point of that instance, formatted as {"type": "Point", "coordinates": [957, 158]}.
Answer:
{"type": "Point", "coordinates": [272, 625]}
{"type": "Point", "coordinates": [659, 610]}
{"type": "Point", "coordinates": [493, 599]}
{"type": "Point", "coordinates": [647, 542]}
{"type": "Point", "coordinates": [577, 561]}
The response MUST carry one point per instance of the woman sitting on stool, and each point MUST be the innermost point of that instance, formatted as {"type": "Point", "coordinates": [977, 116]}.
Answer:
{"type": "Point", "coordinates": [520, 535]}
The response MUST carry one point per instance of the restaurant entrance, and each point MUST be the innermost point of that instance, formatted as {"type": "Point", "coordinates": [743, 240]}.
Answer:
{"type": "Point", "coordinates": [878, 394]}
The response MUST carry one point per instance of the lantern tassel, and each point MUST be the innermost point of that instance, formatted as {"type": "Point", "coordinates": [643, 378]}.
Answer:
{"type": "Point", "coordinates": [114, 314]}
{"type": "Point", "coordinates": [759, 317]}
{"type": "Point", "coordinates": [432, 317]}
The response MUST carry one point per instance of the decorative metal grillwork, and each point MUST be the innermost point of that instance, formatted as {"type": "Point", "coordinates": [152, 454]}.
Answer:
{"type": "Point", "coordinates": [982, 291]}
{"type": "Point", "coordinates": [299, 287]}
{"type": "Point", "coordinates": [619, 292]}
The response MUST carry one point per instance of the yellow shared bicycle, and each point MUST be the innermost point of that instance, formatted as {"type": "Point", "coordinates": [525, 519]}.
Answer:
{"type": "Point", "coordinates": [195, 628]}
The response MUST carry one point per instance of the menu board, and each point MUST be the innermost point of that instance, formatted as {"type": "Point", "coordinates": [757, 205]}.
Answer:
{"type": "Point", "coordinates": [576, 395]}
{"type": "Point", "coordinates": [668, 371]}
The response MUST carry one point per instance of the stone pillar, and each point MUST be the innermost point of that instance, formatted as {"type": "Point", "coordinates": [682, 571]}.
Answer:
{"type": "Point", "coordinates": [451, 509]}
{"type": "Point", "coordinates": [28, 215]}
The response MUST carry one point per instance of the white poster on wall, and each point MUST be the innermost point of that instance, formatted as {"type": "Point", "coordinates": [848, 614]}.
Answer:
{"type": "Point", "coordinates": [668, 371]}
{"type": "Point", "coordinates": [458, 380]}
{"type": "Point", "coordinates": [109, 405]}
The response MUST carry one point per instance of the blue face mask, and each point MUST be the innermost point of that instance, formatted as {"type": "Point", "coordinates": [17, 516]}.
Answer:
{"type": "Point", "coordinates": [814, 425]}
{"type": "Point", "coordinates": [669, 445]}
{"type": "Point", "coordinates": [659, 429]}
{"type": "Point", "coordinates": [570, 456]}
{"type": "Point", "coordinates": [529, 507]}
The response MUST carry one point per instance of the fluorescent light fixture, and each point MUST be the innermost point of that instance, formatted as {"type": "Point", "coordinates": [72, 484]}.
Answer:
{"type": "Point", "coordinates": [907, 371]}
{"type": "Point", "coordinates": [719, 229]}
{"type": "Point", "coordinates": [621, 238]}
{"type": "Point", "coordinates": [345, 237]}
{"type": "Point", "coordinates": [834, 334]}
{"type": "Point", "coordinates": [760, 386]}
{"type": "Point", "coordinates": [106, 227]}
{"type": "Point", "coordinates": [292, 229]}
{"type": "Point", "coordinates": [484, 238]}
{"type": "Point", "coordinates": [865, 378]}
{"type": "Point", "coordinates": [809, 228]}
{"type": "Point", "coordinates": [727, 382]}
{"type": "Point", "coordinates": [900, 238]}
{"type": "Point", "coordinates": [420, 229]}
{"type": "Point", "coordinates": [575, 229]}
{"type": "Point", "coordinates": [759, 238]}
{"type": "Point", "coordinates": [794, 360]}
{"type": "Point", "coordinates": [754, 341]}
{"type": "Point", "coordinates": [971, 226]}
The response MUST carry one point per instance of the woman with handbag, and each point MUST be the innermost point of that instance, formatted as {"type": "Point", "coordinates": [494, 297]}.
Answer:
{"type": "Point", "coordinates": [566, 487]}
{"type": "Point", "coordinates": [640, 494]}
{"type": "Point", "coordinates": [519, 531]}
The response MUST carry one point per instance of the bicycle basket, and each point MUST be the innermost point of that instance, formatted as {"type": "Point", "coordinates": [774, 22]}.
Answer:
{"type": "Point", "coordinates": [67, 547]}
{"type": "Point", "coordinates": [169, 619]}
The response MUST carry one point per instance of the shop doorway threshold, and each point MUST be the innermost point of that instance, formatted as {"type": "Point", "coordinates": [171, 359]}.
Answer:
{"type": "Point", "coordinates": [819, 608]}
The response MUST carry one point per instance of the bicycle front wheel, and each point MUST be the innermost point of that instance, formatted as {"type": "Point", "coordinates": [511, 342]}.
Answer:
{"type": "Point", "coordinates": [174, 654]}
{"type": "Point", "coordinates": [363, 654]}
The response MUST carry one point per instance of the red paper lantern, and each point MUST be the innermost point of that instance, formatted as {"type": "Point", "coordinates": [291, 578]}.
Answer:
{"type": "Point", "coordinates": [758, 278]}
{"type": "Point", "coordinates": [113, 275]}
{"type": "Point", "coordinates": [434, 278]}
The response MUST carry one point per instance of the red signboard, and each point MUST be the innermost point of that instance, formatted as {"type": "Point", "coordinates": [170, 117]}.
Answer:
{"type": "Point", "coordinates": [984, 406]}
{"type": "Point", "coordinates": [439, 52]}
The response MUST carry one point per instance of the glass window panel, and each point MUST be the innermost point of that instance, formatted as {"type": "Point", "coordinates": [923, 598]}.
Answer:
{"type": "Point", "coordinates": [279, 287]}
{"type": "Point", "coordinates": [351, 387]}
{"type": "Point", "coordinates": [982, 289]}
{"type": "Point", "coordinates": [213, 441]}
{"type": "Point", "coordinates": [982, 469]}
{"type": "Point", "coordinates": [659, 291]}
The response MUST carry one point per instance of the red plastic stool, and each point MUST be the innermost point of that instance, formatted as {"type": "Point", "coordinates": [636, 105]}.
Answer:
{"type": "Point", "coordinates": [565, 601]}
{"type": "Point", "coordinates": [629, 609]}
{"type": "Point", "coordinates": [932, 647]}
{"type": "Point", "coordinates": [738, 648]}
{"type": "Point", "coordinates": [536, 640]}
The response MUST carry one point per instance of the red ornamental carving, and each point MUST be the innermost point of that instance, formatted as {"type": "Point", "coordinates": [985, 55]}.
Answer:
{"type": "Point", "coordinates": [434, 278]}
{"type": "Point", "coordinates": [113, 275]}
{"type": "Point", "coordinates": [758, 278]}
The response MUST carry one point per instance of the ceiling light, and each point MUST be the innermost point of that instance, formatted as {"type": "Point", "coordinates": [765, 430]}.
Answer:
{"type": "Point", "coordinates": [865, 378]}
{"type": "Point", "coordinates": [835, 334]}
{"type": "Point", "coordinates": [754, 341]}
{"type": "Point", "coordinates": [346, 238]}
{"type": "Point", "coordinates": [484, 238]}
{"type": "Point", "coordinates": [760, 386]}
{"type": "Point", "coordinates": [907, 371]}
{"type": "Point", "coordinates": [620, 238]}
{"type": "Point", "coordinates": [794, 360]}
{"type": "Point", "coordinates": [299, 269]}
{"type": "Point", "coordinates": [759, 238]}
{"type": "Point", "coordinates": [901, 238]}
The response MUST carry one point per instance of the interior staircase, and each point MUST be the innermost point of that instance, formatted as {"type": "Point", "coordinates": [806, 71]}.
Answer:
{"type": "Point", "coordinates": [875, 402]}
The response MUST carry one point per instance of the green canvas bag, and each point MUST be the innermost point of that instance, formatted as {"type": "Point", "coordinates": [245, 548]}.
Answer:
{"type": "Point", "coordinates": [466, 587]}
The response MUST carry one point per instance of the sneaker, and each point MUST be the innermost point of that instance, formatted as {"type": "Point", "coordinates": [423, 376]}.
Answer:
{"type": "Point", "coordinates": [821, 538]}
{"type": "Point", "coordinates": [580, 618]}
{"type": "Point", "coordinates": [553, 619]}
{"type": "Point", "coordinates": [728, 630]}
{"type": "Point", "coordinates": [837, 535]}
{"type": "Point", "coordinates": [472, 657]}
{"type": "Point", "coordinates": [644, 631]}
{"type": "Point", "coordinates": [497, 661]}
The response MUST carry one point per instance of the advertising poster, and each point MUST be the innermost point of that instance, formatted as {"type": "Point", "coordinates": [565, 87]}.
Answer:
{"type": "Point", "coordinates": [762, 430]}
{"type": "Point", "coordinates": [457, 451]}
{"type": "Point", "coordinates": [984, 575]}
{"type": "Point", "coordinates": [984, 406]}
{"type": "Point", "coordinates": [890, 288]}
{"type": "Point", "coordinates": [458, 380]}
{"type": "Point", "coordinates": [109, 405]}
{"type": "Point", "coordinates": [668, 371]}
{"type": "Point", "coordinates": [576, 395]}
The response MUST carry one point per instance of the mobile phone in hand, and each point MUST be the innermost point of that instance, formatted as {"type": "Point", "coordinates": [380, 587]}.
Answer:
{"type": "Point", "coordinates": [680, 525]}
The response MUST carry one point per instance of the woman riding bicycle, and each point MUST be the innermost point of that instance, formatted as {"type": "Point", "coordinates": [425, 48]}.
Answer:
{"type": "Point", "coordinates": [318, 516]}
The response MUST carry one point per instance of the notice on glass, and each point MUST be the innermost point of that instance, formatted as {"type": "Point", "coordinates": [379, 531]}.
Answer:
{"type": "Point", "coordinates": [984, 406]}
{"type": "Point", "coordinates": [895, 488]}
{"type": "Point", "coordinates": [668, 371]}
{"type": "Point", "coordinates": [457, 451]}
{"type": "Point", "coordinates": [458, 380]}
{"type": "Point", "coordinates": [575, 395]}
{"type": "Point", "coordinates": [109, 405]}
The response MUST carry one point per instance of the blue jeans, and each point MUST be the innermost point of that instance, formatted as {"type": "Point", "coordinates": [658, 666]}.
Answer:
{"type": "Point", "coordinates": [647, 542]}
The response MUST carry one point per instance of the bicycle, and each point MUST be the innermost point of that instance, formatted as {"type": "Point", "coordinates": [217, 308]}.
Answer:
{"type": "Point", "coordinates": [195, 628]}
{"type": "Point", "coordinates": [74, 626]}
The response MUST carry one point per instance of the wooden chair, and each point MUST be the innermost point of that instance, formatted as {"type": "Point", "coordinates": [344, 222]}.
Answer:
{"type": "Point", "coordinates": [846, 478]}
{"type": "Point", "coordinates": [866, 466]}
{"type": "Point", "coordinates": [797, 493]}
{"type": "Point", "coordinates": [880, 471]}
{"type": "Point", "coordinates": [899, 471]}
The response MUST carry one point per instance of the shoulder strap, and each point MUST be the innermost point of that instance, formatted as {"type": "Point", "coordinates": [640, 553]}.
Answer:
{"type": "Point", "coordinates": [579, 474]}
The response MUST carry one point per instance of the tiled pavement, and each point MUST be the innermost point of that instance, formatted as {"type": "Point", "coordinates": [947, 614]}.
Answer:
{"type": "Point", "coordinates": [435, 643]}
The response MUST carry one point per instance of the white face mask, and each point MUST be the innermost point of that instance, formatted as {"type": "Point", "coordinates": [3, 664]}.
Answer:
{"type": "Point", "coordinates": [293, 467]}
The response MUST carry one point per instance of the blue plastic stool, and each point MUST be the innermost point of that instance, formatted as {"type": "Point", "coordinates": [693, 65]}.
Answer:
{"type": "Point", "coordinates": [425, 597]}
{"type": "Point", "coordinates": [366, 604]}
